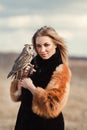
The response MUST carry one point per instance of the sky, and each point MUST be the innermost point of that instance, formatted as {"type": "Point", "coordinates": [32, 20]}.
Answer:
{"type": "Point", "coordinates": [19, 19]}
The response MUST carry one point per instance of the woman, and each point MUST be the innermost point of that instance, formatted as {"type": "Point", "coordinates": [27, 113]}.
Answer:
{"type": "Point", "coordinates": [44, 93]}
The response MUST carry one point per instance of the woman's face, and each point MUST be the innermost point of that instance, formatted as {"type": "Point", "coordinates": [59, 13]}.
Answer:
{"type": "Point", "coordinates": [45, 47]}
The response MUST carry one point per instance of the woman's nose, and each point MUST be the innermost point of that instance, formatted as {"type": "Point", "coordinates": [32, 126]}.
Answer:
{"type": "Point", "coordinates": [42, 49]}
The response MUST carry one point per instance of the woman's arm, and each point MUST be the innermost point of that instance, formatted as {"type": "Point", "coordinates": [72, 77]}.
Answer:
{"type": "Point", "coordinates": [15, 87]}
{"type": "Point", "coordinates": [50, 102]}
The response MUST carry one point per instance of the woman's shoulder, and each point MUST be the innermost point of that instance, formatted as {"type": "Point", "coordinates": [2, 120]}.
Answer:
{"type": "Point", "coordinates": [62, 66]}
{"type": "Point", "coordinates": [63, 69]}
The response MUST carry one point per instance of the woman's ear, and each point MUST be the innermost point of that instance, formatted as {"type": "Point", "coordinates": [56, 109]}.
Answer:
{"type": "Point", "coordinates": [56, 46]}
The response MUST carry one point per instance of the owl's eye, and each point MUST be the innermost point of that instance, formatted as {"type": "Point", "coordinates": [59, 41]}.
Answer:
{"type": "Point", "coordinates": [29, 47]}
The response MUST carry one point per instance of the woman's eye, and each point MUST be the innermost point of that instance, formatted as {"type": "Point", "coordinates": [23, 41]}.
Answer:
{"type": "Point", "coordinates": [38, 46]}
{"type": "Point", "coordinates": [46, 45]}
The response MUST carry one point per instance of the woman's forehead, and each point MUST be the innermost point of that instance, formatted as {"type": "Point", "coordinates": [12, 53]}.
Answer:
{"type": "Point", "coordinates": [43, 39]}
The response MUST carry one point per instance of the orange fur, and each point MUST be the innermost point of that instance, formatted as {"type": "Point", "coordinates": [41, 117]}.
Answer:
{"type": "Point", "coordinates": [14, 92]}
{"type": "Point", "coordinates": [51, 101]}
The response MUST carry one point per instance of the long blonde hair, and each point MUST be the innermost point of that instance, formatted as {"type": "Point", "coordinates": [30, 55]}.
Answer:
{"type": "Point", "coordinates": [50, 32]}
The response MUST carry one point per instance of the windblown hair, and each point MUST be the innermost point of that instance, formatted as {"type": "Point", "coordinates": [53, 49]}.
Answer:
{"type": "Point", "coordinates": [50, 32]}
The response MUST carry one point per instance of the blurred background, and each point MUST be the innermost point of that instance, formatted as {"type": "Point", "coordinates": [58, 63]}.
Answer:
{"type": "Point", "coordinates": [18, 22]}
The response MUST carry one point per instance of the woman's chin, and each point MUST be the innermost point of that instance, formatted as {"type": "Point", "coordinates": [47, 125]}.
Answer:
{"type": "Point", "coordinates": [45, 57]}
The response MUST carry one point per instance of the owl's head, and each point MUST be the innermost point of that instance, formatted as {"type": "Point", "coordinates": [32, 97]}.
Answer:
{"type": "Point", "coordinates": [29, 49]}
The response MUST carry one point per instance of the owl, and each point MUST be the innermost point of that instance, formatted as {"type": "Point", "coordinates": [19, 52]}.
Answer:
{"type": "Point", "coordinates": [22, 61]}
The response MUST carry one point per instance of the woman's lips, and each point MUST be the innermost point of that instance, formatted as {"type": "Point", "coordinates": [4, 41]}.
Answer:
{"type": "Point", "coordinates": [43, 55]}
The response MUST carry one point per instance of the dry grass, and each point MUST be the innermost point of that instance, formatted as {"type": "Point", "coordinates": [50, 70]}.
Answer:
{"type": "Point", "coordinates": [75, 112]}
{"type": "Point", "coordinates": [76, 109]}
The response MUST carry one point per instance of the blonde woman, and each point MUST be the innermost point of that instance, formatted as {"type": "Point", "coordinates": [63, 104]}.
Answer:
{"type": "Point", "coordinates": [44, 93]}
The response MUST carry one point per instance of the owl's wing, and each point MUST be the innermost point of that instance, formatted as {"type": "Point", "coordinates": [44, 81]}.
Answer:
{"type": "Point", "coordinates": [21, 55]}
{"type": "Point", "coordinates": [20, 64]}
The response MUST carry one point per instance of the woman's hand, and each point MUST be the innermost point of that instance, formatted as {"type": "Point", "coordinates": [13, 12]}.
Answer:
{"type": "Point", "coordinates": [29, 69]}
{"type": "Point", "coordinates": [28, 84]}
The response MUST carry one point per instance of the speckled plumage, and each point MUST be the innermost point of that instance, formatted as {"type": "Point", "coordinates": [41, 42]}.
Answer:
{"type": "Point", "coordinates": [21, 62]}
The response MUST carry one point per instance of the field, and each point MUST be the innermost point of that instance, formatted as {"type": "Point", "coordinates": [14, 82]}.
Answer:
{"type": "Point", "coordinates": [75, 112]}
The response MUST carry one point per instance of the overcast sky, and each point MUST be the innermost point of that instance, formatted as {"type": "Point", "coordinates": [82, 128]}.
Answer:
{"type": "Point", "coordinates": [19, 19]}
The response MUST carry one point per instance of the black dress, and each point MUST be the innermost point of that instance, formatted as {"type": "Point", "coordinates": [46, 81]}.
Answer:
{"type": "Point", "coordinates": [26, 119]}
